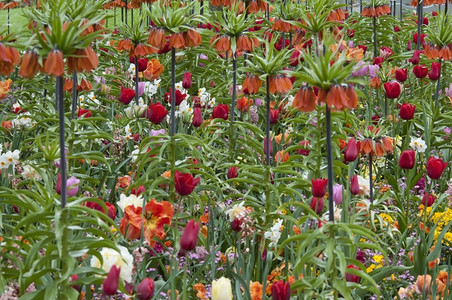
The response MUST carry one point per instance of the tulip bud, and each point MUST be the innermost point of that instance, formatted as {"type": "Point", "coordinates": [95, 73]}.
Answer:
{"type": "Point", "coordinates": [401, 75]}
{"type": "Point", "coordinates": [71, 184]}
{"type": "Point", "coordinates": [415, 57]}
{"type": "Point", "coordinates": [392, 89]}
{"type": "Point", "coordinates": [317, 205]}
{"type": "Point", "coordinates": [197, 117]}
{"type": "Point", "coordinates": [407, 111]}
{"type": "Point", "coordinates": [281, 290]}
{"type": "Point", "coordinates": [145, 289]}
{"type": "Point", "coordinates": [420, 71]}
{"type": "Point", "coordinates": [319, 187]}
{"type": "Point", "coordinates": [407, 159]}
{"type": "Point", "coordinates": [110, 284]}
{"type": "Point", "coordinates": [236, 225]}
{"type": "Point", "coordinates": [435, 71]}
{"type": "Point", "coordinates": [351, 151]}
{"type": "Point", "coordinates": [435, 167]}
{"type": "Point", "coordinates": [337, 193]}
{"type": "Point", "coordinates": [351, 277]}
{"type": "Point", "coordinates": [221, 289]}
{"type": "Point", "coordinates": [137, 192]}
{"type": "Point", "coordinates": [354, 185]}
{"type": "Point", "coordinates": [189, 238]}
{"type": "Point", "coordinates": [428, 200]}
{"type": "Point", "coordinates": [186, 82]}
{"type": "Point", "coordinates": [274, 116]}
{"type": "Point", "coordinates": [232, 172]}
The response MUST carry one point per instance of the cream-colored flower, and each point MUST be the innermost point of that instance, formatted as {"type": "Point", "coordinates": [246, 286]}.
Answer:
{"type": "Point", "coordinates": [125, 201]}
{"type": "Point", "coordinates": [221, 289]}
{"type": "Point", "coordinates": [364, 186]}
{"type": "Point", "coordinates": [236, 211]}
{"type": "Point", "coordinates": [111, 257]}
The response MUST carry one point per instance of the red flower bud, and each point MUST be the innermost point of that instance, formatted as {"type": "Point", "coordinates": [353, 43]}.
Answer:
{"type": "Point", "coordinates": [236, 225]}
{"type": "Point", "coordinates": [351, 151]}
{"type": "Point", "coordinates": [281, 290]}
{"type": "Point", "coordinates": [392, 89]}
{"type": "Point", "coordinates": [185, 183]}
{"type": "Point", "coordinates": [415, 57]}
{"type": "Point", "coordinates": [407, 111]}
{"type": "Point", "coordinates": [189, 238]}
{"type": "Point", "coordinates": [435, 167]}
{"type": "Point", "coordinates": [319, 187]}
{"type": "Point", "coordinates": [435, 71]}
{"type": "Point", "coordinates": [428, 200]}
{"type": "Point", "coordinates": [274, 116]}
{"type": "Point", "coordinates": [420, 71]}
{"type": "Point", "coordinates": [186, 82]}
{"type": "Point", "coordinates": [401, 75]}
{"type": "Point", "coordinates": [354, 185]}
{"type": "Point", "coordinates": [197, 117]}
{"type": "Point", "coordinates": [110, 284]}
{"type": "Point", "coordinates": [232, 172]}
{"type": "Point", "coordinates": [407, 159]}
{"type": "Point", "coordinates": [317, 205]}
{"type": "Point", "coordinates": [145, 289]}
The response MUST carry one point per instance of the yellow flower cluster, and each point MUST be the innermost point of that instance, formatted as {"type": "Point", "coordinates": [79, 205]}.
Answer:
{"type": "Point", "coordinates": [441, 219]}
{"type": "Point", "coordinates": [378, 259]}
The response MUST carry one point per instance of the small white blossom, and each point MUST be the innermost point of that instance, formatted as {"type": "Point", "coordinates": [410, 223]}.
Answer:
{"type": "Point", "coordinates": [125, 201]}
{"type": "Point", "coordinates": [275, 232]}
{"type": "Point", "coordinates": [30, 172]}
{"type": "Point", "coordinates": [111, 258]}
{"type": "Point", "coordinates": [418, 144]}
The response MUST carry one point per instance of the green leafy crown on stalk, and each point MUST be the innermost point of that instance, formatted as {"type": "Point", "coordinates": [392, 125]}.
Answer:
{"type": "Point", "coordinates": [439, 30]}
{"type": "Point", "coordinates": [60, 24]}
{"type": "Point", "coordinates": [271, 62]}
{"type": "Point", "coordinates": [172, 17]}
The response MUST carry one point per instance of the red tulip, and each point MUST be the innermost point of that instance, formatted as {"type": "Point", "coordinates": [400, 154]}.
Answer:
{"type": "Point", "coordinates": [392, 89]}
{"type": "Point", "coordinates": [407, 159]}
{"type": "Point", "coordinates": [236, 225]}
{"type": "Point", "coordinates": [351, 277]}
{"type": "Point", "coordinates": [142, 64]}
{"type": "Point", "coordinates": [185, 183]}
{"type": "Point", "coordinates": [351, 150]}
{"type": "Point", "coordinates": [401, 75]}
{"type": "Point", "coordinates": [186, 82]}
{"type": "Point", "coordinates": [110, 284]}
{"type": "Point", "coordinates": [420, 71]}
{"type": "Point", "coordinates": [319, 187]}
{"type": "Point", "coordinates": [179, 97]}
{"type": "Point", "coordinates": [354, 185]}
{"type": "Point", "coordinates": [126, 95]}
{"type": "Point", "coordinates": [303, 150]}
{"type": "Point", "coordinates": [221, 111]}
{"type": "Point", "coordinates": [232, 172]}
{"type": "Point", "coordinates": [189, 238]}
{"type": "Point", "coordinates": [295, 58]}
{"type": "Point", "coordinates": [274, 116]}
{"type": "Point", "coordinates": [378, 61]}
{"type": "Point", "coordinates": [317, 205]}
{"type": "Point", "coordinates": [145, 289]}
{"type": "Point", "coordinates": [435, 71]}
{"type": "Point", "coordinates": [428, 200]}
{"type": "Point", "coordinates": [407, 111]}
{"type": "Point", "coordinates": [156, 113]}
{"type": "Point", "coordinates": [415, 57]}
{"type": "Point", "coordinates": [84, 113]}
{"type": "Point", "coordinates": [435, 167]}
{"type": "Point", "coordinates": [111, 208]}
{"type": "Point", "coordinates": [281, 290]}
{"type": "Point", "coordinates": [197, 117]}
{"type": "Point", "coordinates": [137, 192]}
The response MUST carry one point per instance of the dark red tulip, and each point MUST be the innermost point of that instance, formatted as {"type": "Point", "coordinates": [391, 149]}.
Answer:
{"type": "Point", "coordinates": [304, 149]}
{"type": "Point", "coordinates": [232, 172]}
{"type": "Point", "coordinates": [408, 46]}
{"type": "Point", "coordinates": [186, 82]}
{"type": "Point", "coordinates": [354, 185]}
{"type": "Point", "coordinates": [156, 113]}
{"type": "Point", "coordinates": [138, 191]}
{"type": "Point", "coordinates": [281, 290]}
{"type": "Point", "coordinates": [221, 111]}
{"type": "Point", "coordinates": [363, 47]}
{"type": "Point", "coordinates": [396, 28]}
{"type": "Point", "coordinates": [179, 97]}
{"type": "Point", "coordinates": [392, 89]}
{"type": "Point", "coordinates": [110, 284]}
{"type": "Point", "coordinates": [126, 95]}
{"type": "Point", "coordinates": [185, 183]}
{"type": "Point", "coordinates": [84, 113]}
{"type": "Point", "coordinates": [319, 187]}
{"type": "Point", "coordinates": [142, 64]}
{"type": "Point", "coordinates": [378, 61]}
{"type": "Point", "coordinates": [74, 277]}
{"type": "Point", "coordinates": [295, 58]}
{"type": "Point", "coordinates": [407, 159]}
{"type": "Point", "coordinates": [197, 117]}
{"type": "Point", "coordinates": [351, 277]}
{"type": "Point", "coordinates": [435, 71]}
{"type": "Point", "coordinates": [407, 111]}
{"type": "Point", "coordinates": [317, 205]}
{"type": "Point", "coordinates": [145, 289]}
{"type": "Point", "coordinates": [111, 208]}
{"type": "Point", "coordinates": [236, 225]}
{"type": "Point", "coordinates": [420, 71]}
{"type": "Point", "coordinates": [401, 75]}
{"type": "Point", "coordinates": [350, 33]}
{"type": "Point", "coordinates": [428, 200]}
{"type": "Point", "coordinates": [351, 150]}
{"type": "Point", "coordinates": [189, 238]}
{"type": "Point", "coordinates": [415, 57]}
{"type": "Point", "coordinates": [274, 116]}
{"type": "Point", "coordinates": [435, 167]}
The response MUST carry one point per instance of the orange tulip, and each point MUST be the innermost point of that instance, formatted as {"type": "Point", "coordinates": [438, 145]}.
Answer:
{"type": "Point", "coordinates": [54, 64]}
{"type": "Point", "coordinates": [29, 65]}
{"type": "Point", "coordinates": [305, 99]}
{"type": "Point", "coordinates": [243, 104]}
{"type": "Point", "coordinates": [153, 70]}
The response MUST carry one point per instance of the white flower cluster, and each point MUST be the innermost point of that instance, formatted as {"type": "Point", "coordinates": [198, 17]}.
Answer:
{"type": "Point", "coordinates": [418, 144]}
{"type": "Point", "coordinates": [275, 233]}
{"type": "Point", "coordinates": [90, 101]}
{"type": "Point", "coordinates": [134, 110]}
{"type": "Point", "coordinates": [111, 258]}
{"type": "Point", "coordinates": [23, 120]}
{"type": "Point", "coordinates": [9, 158]}
{"type": "Point", "coordinates": [150, 88]}
{"type": "Point", "coordinates": [205, 98]}
{"type": "Point", "coordinates": [125, 201]}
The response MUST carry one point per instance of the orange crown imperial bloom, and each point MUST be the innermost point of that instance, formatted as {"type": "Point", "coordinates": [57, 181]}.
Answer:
{"type": "Point", "coordinates": [156, 216]}
{"type": "Point", "coordinates": [305, 99]}
{"type": "Point", "coordinates": [177, 41]}
{"type": "Point", "coordinates": [125, 44]}
{"type": "Point", "coordinates": [279, 84]}
{"type": "Point", "coordinates": [54, 64]}
{"type": "Point", "coordinates": [9, 57]}
{"type": "Point", "coordinates": [223, 44]}
{"type": "Point", "coordinates": [83, 60]}
{"type": "Point", "coordinates": [341, 97]}
{"type": "Point", "coordinates": [251, 84]}
{"type": "Point", "coordinates": [157, 38]}
{"type": "Point", "coordinates": [192, 38]}
{"type": "Point", "coordinates": [29, 65]}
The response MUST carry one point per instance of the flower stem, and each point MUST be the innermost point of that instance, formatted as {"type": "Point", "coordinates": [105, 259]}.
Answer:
{"type": "Point", "coordinates": [74, 94]}
{"type": "Point", "coordinates": [234, 87]}
{"type": "Point", "coordinates": [60, 102]}
{"type": "Point", "coordinates": [173, 92]}
{"type": "Point", "coordinates": [437, 89]}
{"type": "Point", "coordinates": [329, 157]}
{"type": "Point", "coordinates": [371, 192]}
{"type": "Point", "coordinates": [267, 127]}
{"type": "Point", "coordinates": [136, 80]}
{"type": "Point", "coordinates": [375, 36]}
